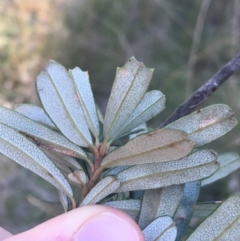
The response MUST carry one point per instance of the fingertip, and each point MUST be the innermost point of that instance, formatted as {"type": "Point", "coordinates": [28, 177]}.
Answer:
{"type": "Point", "coordinates": [96, 222]}
{"type": "Point", "coordinates": [110, 225]}
{"type": "Point", "coordinates": [4, 234]}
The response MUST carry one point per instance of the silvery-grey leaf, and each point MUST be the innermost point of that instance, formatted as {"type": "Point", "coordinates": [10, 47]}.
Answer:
{"type": "Point", "coordinates": [35, 113]}
{"type": "Point", "coordinates": [130, 206]}
{"type": "Point", "coordinates": [18, 148]}
{"type": "Point", "coordinates": [161, 229]}
{"type": "Point", "coordinates": [53, 208]}
{"type": "Point", "coordinates": [99, 114]}
{"type": "Point", "coordinates": [185, 209]}
{"type": "Point", "coordinates": [132, 132]}
{"type": "Point", "coordinates": [142, 127]}
{"type": "Point", "coordinates": [159, 202]}
{"type": "Point", "coordinates": [79, 177]}
{"type": "Point", "coordinates": [63, 168]}
{"type": "Point", "coordinates": [129, 87]}
{"type": "Point", "coordinates": [59, 99]}
{"type": "Point", "coordinates": [229, 162]}
{"type": "Point", "coordinates": [203, 210]}
{"type": "Point", "coordinates": [159, 146]}
{"type": "Point", "coordinates": [154, 175]}
{"type": "Point", "coordinates": [206, 125]}
{"type": "Point", "coordinates": [139, 193]}
{"type": "Point", "coordinates": [102, 189]}
{"type": "Point", "coordinates": [114, 171]}
{"type": "Point", "coordinates": [223, 224]}
{"type": "Point", "coordinates": [63, 159]}
{"type": "Point", "coordinates": [50, 138]}
{"type": "Point", "coordinates": [85, 95]}
{"type": "Point", "coordinates": [151, 104]}
{"type": "Point", "coordinates": [63, 200]}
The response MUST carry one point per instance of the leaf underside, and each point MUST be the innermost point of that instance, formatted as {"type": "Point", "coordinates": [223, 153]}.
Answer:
{"type": "Point", "coordinates": [159, 202]}
{"type": "Point", "coordinates": [206, 125]}
{"type": "Point", "coordinates": [53, 208]}
{"type": "Point", "coordinates": [191, 168]}
{"type": "Point", "coordinates": [41, 134]}
{"type": "Point", "coordinates": [102, 189]}
{"type": "Point", "coordinates": [229, 162]}
{"type": "Point", "coordinates": [85, 95]}
{"type": "Point", "coordinates": [55, 85]}
{"type": "Point", "coordinates": [151, 104]}
{"type": "Point", "coordinates": [158, 146]}
{"type": "Point", "coordinates": [130, 206]}
{"type": "Point", "coordinates": [185, 209]}
{"type": "Point", "coordinates": [223, 224]}
{"type": "Point", "coordinates": [35, 113]}
{"type": "Point", "coordinates": [18, 148]}
{"type": "Point", "coordinates": [161, 229]}
{"type": "Point", "coordinates": [129, 87]}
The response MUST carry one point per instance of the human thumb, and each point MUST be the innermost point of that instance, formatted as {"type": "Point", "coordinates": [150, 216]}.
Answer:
{"type": "Point", "coordinates": [88, 223]}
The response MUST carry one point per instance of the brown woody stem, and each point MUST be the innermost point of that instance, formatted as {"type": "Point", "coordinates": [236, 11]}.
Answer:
{"type": "Point", "coordinates": [99, 153]}
{"type": "Point", "coordinates": [204, 91]}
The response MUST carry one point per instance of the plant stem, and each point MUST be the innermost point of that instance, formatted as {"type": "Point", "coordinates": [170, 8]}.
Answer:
{"type": "Point", "coordinates": [204, 91]}
{"type": "Point", "coordinates": [99, 153]}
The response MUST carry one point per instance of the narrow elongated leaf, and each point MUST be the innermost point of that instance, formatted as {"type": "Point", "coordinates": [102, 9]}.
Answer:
{"type": "Point", "coordinates": [114, 171]}
{"type": "Point", "coordinates": [53, 208]}
{"type": "Point", "coordinates": [65, 160]}
{"type": "Point", "coordinates": [143, 129]}
{"type": "Point", "coordinates": [85, 95]}
{"type": "Point", "coordinates": [99, 114]}
{"type": "Point", "coordinates": [63, 200]}
{"type": "Point", "coordinates": [42, 134]}
{"type": "Point", "coordinates": [203, 210]}
{"type": "Point", "coordinates": [35, 113]}
{"type": "Point", "coordinates": [139, 193]}
{"type": "Point", "coordinates": [59, 98]}
{"type": "Point", "coordinates": [206, 125]}
{"type": "Point", "coordinates": [223, 224]}
{"type": "Point", "coordinates": [158, 146]}
{"type": "Point", "coordinates": [78, 177]}
{"type": "Point", "coordinates": [129, 87]}
{"type": "Point", "coordinates": [151, 104]}
{"type": "Point", "coordinates": [130, 206]}
{"type": "Point", "coordinates": [102, 189]}
{"type": "Point", "coordinates": [229, 162]}
{"type": "Point", "coordinates": [191, 168]}
{"type": "Point", "coordinates": [159, 202]}
{"type": "Point", "coordinates": [64, 169]}
{"type": "Point", "coordinates": [161, 229]}
{"type": "Point", "coordinates": [21, 150]}
{"type": "Point", "coordinates": [185, 209]}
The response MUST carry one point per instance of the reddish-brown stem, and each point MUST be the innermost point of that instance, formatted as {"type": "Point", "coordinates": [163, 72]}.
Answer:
{"type": "Point", "coordinates": [78, 179]}
{"type": "Point", "coordinates": [99, 153]}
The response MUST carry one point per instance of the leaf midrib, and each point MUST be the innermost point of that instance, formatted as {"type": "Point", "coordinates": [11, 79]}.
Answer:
{"type": "Point", "coordinates": [35, 161]}
{"type": "Point", "coordinates": [100, 192]}
{"type": "Point", "coordinates": [136, 117]}
{"type": "Point", "coordinates": [146, 152]}
{"type": "Point", "coordinates": [228, 227]}
{"type": "Point", "coordinates": [85, 109]}
{"type": "Point", "coordinates": [153, 175]}
{"type": "Point", "coordinates": [69, 116]}
{"type": "Point", "coordinates": [210, 125]}
{"type": "Point", "coordinates": [123, 101]}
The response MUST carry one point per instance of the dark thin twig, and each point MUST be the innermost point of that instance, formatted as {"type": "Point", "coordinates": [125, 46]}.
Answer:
{"type": "Point", "coordinates": [204, 91]}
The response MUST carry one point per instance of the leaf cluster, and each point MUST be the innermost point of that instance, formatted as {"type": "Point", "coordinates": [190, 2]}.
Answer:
{"type": "Point", "coordinates": [115, 159]}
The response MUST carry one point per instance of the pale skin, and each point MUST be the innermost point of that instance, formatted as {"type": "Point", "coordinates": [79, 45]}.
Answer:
{"type": "Point", "coordinates": [88, 223]}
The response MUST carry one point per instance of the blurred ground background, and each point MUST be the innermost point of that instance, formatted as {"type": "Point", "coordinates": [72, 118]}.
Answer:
{"type": "Point", "coordinates": [185, 41]}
